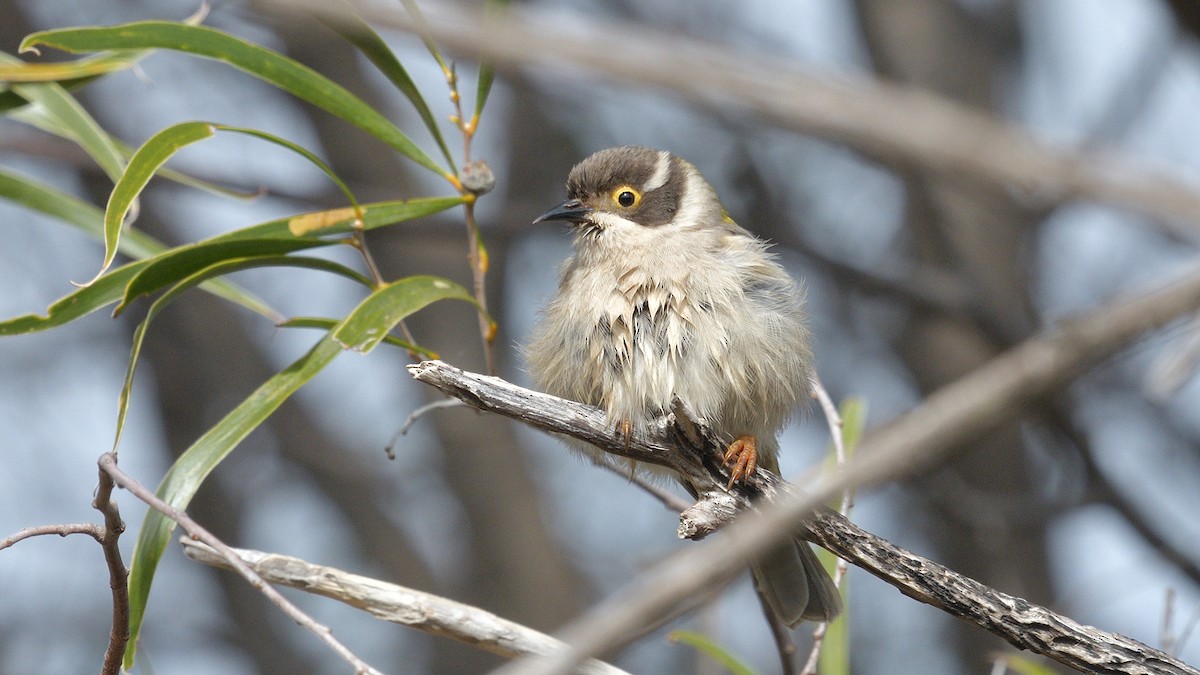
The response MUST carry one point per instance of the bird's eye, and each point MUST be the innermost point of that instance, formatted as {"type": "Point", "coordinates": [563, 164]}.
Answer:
{"type": "Point", "coordinates": [626, 197]}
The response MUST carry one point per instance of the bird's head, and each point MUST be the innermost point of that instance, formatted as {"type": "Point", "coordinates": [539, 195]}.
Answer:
{"type": "Point", "coordinates": [633, 186]}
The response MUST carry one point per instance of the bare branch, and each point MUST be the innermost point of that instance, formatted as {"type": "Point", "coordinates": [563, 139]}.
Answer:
{"type": "Point", "coordinates": [108, 464]}
{"type": "Point", "coordinates": [118, 575]}
{"type": "Point", "coordinates": [108, 536]}
{"type": "Point", "coordinates": [1023, 624]}
{"type": "Point", "coordinates": [90, 529]}
{"type": "Point", "coordinates": [947, 419]}
{"type": "Point", "coordinates": [408, 607]}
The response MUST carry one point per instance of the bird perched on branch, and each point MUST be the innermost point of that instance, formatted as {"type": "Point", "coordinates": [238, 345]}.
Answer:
{"type": "Point", "coordinates": [667, 296]}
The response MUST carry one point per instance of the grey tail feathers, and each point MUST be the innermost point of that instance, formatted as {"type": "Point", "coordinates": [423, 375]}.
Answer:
{"type": "Point", "coordinates": [795, 584]}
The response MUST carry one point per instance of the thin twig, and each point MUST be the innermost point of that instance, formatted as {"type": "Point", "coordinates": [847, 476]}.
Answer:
{"type": "Point", "coordinates": [476, 255]}
{"type": "Point", "coordinates": [398, 604]}
{"type": "Point", "coordinates": [784, 645]}
{"type": "Point", "coordinates": [108, 536]}
{"type": "Point", "coordinates": [390, 449]}
{"type": "Point", "coordinates": [836, 431]}
{"type": "Point", "coordinates": [670, 500]}
{"type": "Point", "coordinates": [108, 463]}
{"type": "Point", "coordinates": [90, 529]}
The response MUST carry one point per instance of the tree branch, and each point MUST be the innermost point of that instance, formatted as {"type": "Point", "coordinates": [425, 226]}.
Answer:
{"type": "Point", "coordinates": [1023, 624]}
{"type": "Point", "coordinates": [107, 535]}
{"type": "Point", "coordinates": [108, 465]}
{"type": "Point", "coordinates": [947, 419]}
{"type": "Point", "coordinates": [412, 608]}
{"type": "Point", "coordinates": [118, 575]}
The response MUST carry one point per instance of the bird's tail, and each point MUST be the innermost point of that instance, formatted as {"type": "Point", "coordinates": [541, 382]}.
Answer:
{"type": "Point", "coordinates": [795, 584]}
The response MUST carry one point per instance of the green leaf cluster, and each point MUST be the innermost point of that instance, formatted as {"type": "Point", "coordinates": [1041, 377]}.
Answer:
{"type": "Point", "coordinates": [40, 95]}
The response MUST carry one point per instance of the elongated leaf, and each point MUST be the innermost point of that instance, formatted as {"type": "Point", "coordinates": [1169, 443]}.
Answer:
{"type": "Point", "coordinates": [218, 269]}
{"type": "Point", "coordinates": [35, 117]}
{"type": "Point", "coordinates": [487, 68]}
{"type": "Point", "coordinates": [189, 471]}
{"type": "Point", "coordinates": [369, 324]}
{"type": "Point", "coordinates": [716, 652]}
{"type": "Point", "coordinates": [86, 217]}
{"type": "Point", "coordinates": [74, 211]}
{"type": "Point", "coordinates": [327, 324]}
{"type": "Point", "coordinates": [1023, 665]}
{"type": "Point", "coordinates": [180, 263]}
{"type": "Point", "coordinates": [270, 66]}
{"type": "Point", "coordinates": [92, 66]}
{"type": "Point", "coordinates": [65, 112]}
{"type": "Point", "coordinates": [835, 650]}
{"type": "Point", "coordinates": [159, 148]}
{"type": "Point", "coordinates": [358, 33]}
{"type": "Point", "coordinates": [426, 36]}
{"type": "Point", "coordinates": [299, 150]}
{"type": "Point", "coordinates": [110, 287]}
{"type": "Point", "coordinates": [148, 158]}
{"type": "Point", "coordinates": [193, 466]}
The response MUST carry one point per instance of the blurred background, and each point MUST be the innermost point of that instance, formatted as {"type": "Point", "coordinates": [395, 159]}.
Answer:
{"type": "Point", "coordinates": [1087, 506]}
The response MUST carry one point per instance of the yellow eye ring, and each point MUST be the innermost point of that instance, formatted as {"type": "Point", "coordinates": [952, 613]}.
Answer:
{"type": "Point", "coordinates": [626, 197]}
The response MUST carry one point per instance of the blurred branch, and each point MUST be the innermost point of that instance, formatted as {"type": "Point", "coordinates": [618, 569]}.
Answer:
{"type": "Point", "coordinates": [886, 121]}
{"type": "Point", "coordinates": [108, 465]}
{"type": "Point", "coordinates": [398, 604]}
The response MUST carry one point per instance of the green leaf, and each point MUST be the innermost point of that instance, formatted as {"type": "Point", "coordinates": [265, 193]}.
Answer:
{"type": "Point", "coordinates": [299, 150]}
{"type": "Point", "coordinates": [110, 287]}
{"type": "Point", "coordinates": [362, 36]}
{"type": "Point", "coordinates": [71, 210]}
{"type": "Point", "coordinates": [220, 268]}
{"type": "Point", "coordinates": [270, 66]}
{"type": "Point", "coordinates": [487, 67]}
{"type": "Point", "coordinates": [1024, 665]}
{"type": "Point", "coordinates": [185, 476]}
{"type": "Point", "coordinates": [63, 111]}
{"type": "Point", "coordinates": [89, 67]}
{"type": "Point", "coordinates": [853, 412]}
{"type": "Point", "coordinates": [86, 217]}
{"type": "Point", "coordinates": [369, 324]}
{"type": "Point", "coordinates": [835, 649]}
{"type": "Point", "coordinates": [427, 36]}
{"type": "Point", "coordinates": [327, 324]}
{"type": "Point", "coordinates": [142, 166]}
{"type": "Point", "coordinates": [159, 148]}
{"type": "Point", "coordinates": [180, 263]}
{"type": "Point", "coordinates": [705, 645]}
{"type": "Point", "coordinates": [182, 480]}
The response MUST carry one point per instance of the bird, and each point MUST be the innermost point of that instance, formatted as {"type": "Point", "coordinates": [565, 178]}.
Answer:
{"type": "Point", "coordinates": [666, 296]}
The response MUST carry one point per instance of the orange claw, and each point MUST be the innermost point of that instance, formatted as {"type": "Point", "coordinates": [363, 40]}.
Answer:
{"type": "Point", "coordinates": [741, 458]}
{"type": "Point", "coordinates": [625, 428]}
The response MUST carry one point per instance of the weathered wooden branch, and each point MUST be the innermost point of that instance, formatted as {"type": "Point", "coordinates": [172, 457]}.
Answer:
{"type": "Point", "coordinates": [687, 446]}
{"type": "Point", "coordinates": [408, 607]}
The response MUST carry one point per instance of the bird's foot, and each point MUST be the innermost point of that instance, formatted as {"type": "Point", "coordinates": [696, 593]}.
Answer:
{"type": "Point", "coordinates": [741, 458]}
{"type": "Point", "coordinates": [625, 428]}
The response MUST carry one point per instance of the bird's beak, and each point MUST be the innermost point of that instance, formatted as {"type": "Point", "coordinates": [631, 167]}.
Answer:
{"type": "Point", "coordinates": [572, 211]}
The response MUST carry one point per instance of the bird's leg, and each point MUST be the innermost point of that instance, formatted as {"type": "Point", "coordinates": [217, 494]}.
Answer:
{"type": "Point", "coordinates": [741, 458]}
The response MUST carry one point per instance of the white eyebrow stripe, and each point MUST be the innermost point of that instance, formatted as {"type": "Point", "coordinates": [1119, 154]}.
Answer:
{"type": "Point", "coordinates": [662, 172]}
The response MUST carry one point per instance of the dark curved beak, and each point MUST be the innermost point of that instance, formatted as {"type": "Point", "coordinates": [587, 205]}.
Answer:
{"type": "Point", "coordinates": [572, 211]}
